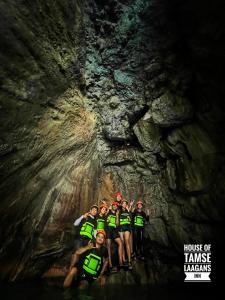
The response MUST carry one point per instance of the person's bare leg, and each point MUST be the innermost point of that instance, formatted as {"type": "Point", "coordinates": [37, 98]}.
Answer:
{"type": "Point", "coordinates": [131, 243]}
{"type": "Point", "coordinates": [108, 242]}
{"type": "Point", "coordinates": [123, 246]}
{"type": "Point", "coordinates": [120, 250]}
{"type": "Point", "coordinates": [69, 278]}
{"type": "Point", "coordinates": [127, 243]}
{"type": "Point", "coordinates": [74, 260]}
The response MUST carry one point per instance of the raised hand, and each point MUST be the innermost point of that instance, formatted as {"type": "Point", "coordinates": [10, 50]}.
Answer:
{"type": "Point", "coordinates": [86, 215]}
{"type": "Point", "coordinates": [90, 245]}
{"type": "Point", "coordinates": [131, 203]}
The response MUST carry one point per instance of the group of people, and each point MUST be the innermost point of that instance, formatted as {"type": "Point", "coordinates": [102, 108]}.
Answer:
{"type": "Point", "coordinates": [118, 222]}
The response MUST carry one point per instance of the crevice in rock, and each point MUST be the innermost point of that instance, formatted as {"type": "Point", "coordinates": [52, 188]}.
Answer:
{"type": "Point", "coordinates": [119, 164]}
{"type": "Point", "coordinates": [136, 116]}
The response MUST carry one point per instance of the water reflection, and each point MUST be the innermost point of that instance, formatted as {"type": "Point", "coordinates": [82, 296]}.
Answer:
{"type": "Point", "coordinates": [40, 291]}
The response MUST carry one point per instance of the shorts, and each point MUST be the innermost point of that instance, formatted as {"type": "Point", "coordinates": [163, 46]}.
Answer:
{"type": "Point", "coordinates": [82, 274]}
{"type": "Point", "coordinates": [138, 229]}
{"type": "Point", "coordinates": [131, 227]}
{"type": "Point", "coordinates": [112, 233]}
{"type": "Point", "coordinates": [124, 228]}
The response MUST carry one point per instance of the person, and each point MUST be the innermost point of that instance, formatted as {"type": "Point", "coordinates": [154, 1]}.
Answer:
{"type": "Point", "coordinates": [91, 265]}
{"type": "Point", "coordinates": [112, 222]}
{"type": "Point", "coordinates": [87, 230]}
{"type": "Point", "coordinates": [101, 217]}
{"type": "Point", "coordinates": [125, 230]}
{"type": "Point", "coordinates": [130, 208]}
{"type": "Point", "coordinates": [139, 220]}
{"type": "Point", "coordinates": [118, 197]}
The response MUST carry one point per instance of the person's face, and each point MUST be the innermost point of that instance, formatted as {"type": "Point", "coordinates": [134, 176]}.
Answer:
{"type": "Point", "coordinates": [139, 206]}
{"type": "Point", "coordinates": [103, 210]}
{"type": "Point", "coordinates": [94, 211]}
{"type": "Point", "coordinates": [118, 198]}
{"type": "Point", "coordinates": [114, 207]}
{"type": "Point", "coordinates": [124, 204]}
{"type": "Point", "coordinates": [100, 239]}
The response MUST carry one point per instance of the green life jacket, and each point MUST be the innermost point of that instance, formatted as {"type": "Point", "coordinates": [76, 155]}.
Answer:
{"type": "Point", "coordinates": [87, 230]}
{"type": "Point", "coordinates": [92, 264]}
{"type": "Point", "coordinates": [125, 219]}
{"type": "Point", "coordinates": [139, 221]}
{"type": "Point", "coordinates": [100, 224]}
{"type": "Point", "coordinates": [111, 220]}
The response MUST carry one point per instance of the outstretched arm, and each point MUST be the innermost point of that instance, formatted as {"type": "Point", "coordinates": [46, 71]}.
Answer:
{"type": "Point", "coordinates": [105, 264]}
{"type": "Point", "coordinates": [101, 277]}
{"type": "Point", "coordinates": [83, 249]}
{"type": "Point", "coordinates": [130, 206]}
{"type": "Point", "coordinates": [78, 221]}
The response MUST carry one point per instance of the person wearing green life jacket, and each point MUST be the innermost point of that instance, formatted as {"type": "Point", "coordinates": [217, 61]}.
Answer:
{"type": "Point", "coordinates": [139, 220]}
{"type": "Point", "coordinates": [119, 198]}
{"type": "Point", "coordinates": [125, 219]}
{"type": "Point", "coordinates": [87, 230]}
{"type": "Point", "coordinates": [112, 234]}
{"type": "Point", "coordinates": [91, 265]}
{"type": "Point", "coordinates": [101, 217]}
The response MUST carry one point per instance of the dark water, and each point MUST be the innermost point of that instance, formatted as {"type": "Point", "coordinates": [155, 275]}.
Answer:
{"type": "Point", "coordinates": [42, 291]}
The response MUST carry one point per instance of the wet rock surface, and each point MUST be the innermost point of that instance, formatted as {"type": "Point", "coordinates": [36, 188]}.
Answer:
{"type": "Point", "coordinates": [100, 96]}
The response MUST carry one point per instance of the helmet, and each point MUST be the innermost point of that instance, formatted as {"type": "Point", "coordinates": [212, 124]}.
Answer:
{"type": "Point", "coordinates": [95, 205]}
{"type": "Point", "coordinates": [102, 231]}
{"type": "Point", "coordinates": [118, 194]}
{"type": "Point", "coordinates": [139, 202]}
{"type": "Point", "coordinates": [103, 205]}
{"type": "Point", "coordinates": [115, 203]}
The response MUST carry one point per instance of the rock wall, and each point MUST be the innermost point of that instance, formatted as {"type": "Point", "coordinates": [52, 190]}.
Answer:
{"type": "Point", "coordinates": [148, 66]}
{"type": "Point", "coordinates": [100, 96]}
{"type": "Point", "coordinates": [47, 136]}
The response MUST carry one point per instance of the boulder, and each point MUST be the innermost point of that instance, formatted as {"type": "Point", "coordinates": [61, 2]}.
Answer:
{"type": "Point", "coordinates": [196, 157]}
{"type": "Point", "coordinates": [171, 110]}
{"type": "Point", "coordinates": [156, 232]}
{"type": "Point", "coordinates": [148, 134]}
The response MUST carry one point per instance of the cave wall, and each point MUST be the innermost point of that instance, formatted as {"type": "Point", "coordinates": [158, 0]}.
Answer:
{"type": "Point", "coordinates": [151, 69]}
{"type": "Point", "coordinates": [100, 96]}
{"type": "Point", "coordinates": [47, 135]}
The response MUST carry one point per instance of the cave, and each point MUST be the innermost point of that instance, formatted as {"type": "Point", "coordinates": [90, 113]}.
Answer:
{"type": "Point", "coordinates": [105, 96]}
